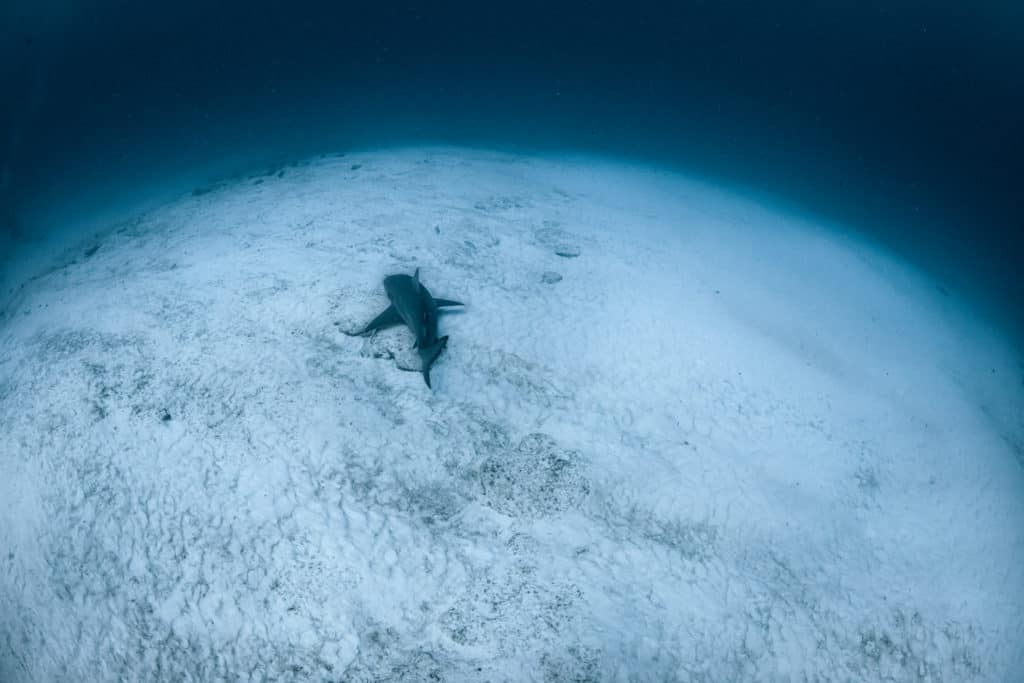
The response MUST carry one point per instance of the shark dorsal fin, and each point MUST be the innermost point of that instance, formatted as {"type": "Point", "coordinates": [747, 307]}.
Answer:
{"type": "Point", "coordinates": [416, 279]}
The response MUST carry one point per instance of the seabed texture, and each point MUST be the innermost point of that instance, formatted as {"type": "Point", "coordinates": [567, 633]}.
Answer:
{"type": "Point", "coordinates": [676, 435]}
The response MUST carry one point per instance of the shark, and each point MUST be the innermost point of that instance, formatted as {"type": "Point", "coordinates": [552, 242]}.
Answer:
{"type": "Point", "coordinates": [413, 306]}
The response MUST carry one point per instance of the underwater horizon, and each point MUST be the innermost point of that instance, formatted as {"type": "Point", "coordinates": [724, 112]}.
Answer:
{"type": "Point", "coordinates": [473, 342]}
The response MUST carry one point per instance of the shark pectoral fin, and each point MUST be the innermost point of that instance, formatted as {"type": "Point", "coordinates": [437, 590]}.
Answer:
{"type": "Point", "coordinates": [388, 318]}
{"type": "Point", "coordinates": [447, 302]}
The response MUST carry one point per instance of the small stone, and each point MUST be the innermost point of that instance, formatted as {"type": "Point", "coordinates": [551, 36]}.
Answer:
{"type": "Point", "coordinates": [166, 417]}
{"type": "Point", "coordinates": [550, 277]}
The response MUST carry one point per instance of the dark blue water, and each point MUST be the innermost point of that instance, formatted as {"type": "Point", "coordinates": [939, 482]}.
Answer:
{"type": "Point", "coordinates": [902, 120]}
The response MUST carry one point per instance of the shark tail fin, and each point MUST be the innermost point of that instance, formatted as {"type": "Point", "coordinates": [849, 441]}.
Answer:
{"type": "Point", "coordinates": [429, 354]}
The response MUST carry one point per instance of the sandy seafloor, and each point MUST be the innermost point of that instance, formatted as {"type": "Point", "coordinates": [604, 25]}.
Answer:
{"type": "Point", "coordinates": [710, 441]}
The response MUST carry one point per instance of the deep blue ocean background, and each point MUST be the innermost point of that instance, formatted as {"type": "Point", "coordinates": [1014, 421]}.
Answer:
{"type": "Point", "coordinates": [900, 120]}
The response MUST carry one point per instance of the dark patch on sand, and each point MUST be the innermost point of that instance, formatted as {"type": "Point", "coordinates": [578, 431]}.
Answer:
{"type": "Point", "coordinates": [550, 277]}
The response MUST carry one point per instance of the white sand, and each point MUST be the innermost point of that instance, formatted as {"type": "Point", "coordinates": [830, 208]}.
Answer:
{"type": "Point", "coordinates": [728, 444]}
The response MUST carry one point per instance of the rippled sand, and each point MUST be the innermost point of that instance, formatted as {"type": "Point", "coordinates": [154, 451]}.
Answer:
{"type": "Point", "coordinates": [676, 435]}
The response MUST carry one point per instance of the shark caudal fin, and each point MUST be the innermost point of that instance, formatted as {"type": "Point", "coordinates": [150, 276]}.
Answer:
{"type": "Point", "coordinates": [429, 354]}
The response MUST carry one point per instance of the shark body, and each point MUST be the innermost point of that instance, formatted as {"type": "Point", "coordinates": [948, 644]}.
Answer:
{"type": "Point", "coordinates": [413, 306]}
